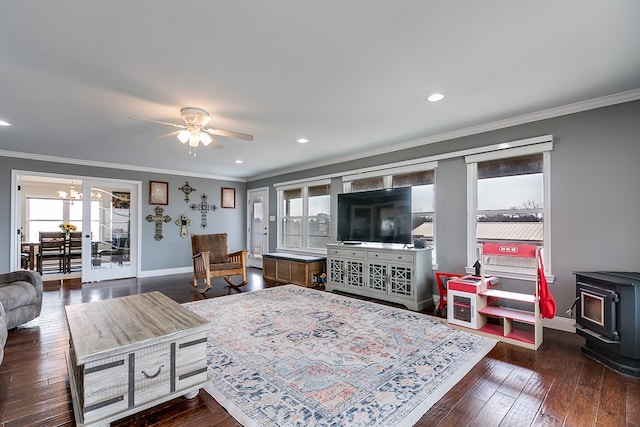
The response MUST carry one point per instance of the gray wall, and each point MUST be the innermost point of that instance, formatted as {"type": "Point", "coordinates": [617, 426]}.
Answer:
{"type": "Point", "coordinates": [595, 193]}
{"type": "Point", "coordinates": [170, 252]}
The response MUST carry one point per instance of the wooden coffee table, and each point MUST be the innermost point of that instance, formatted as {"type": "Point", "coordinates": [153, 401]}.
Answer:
{"type": "Point", "coordinates": [131, 353]}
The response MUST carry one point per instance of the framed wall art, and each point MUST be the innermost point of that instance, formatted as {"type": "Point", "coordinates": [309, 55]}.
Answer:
{"type": "Point", "coordinates": [158, 193]}
{"type": "Point", "coordinates": [228, 197]}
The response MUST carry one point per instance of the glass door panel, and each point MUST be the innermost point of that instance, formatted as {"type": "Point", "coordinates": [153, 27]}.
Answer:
{"type": "Point", "coordinates": [257, 226]}
{"type": "Point", "coordinates": [110, 219]}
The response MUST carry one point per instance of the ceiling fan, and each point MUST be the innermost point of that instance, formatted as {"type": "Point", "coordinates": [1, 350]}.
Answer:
{"type": "Point", "coordinates": [194, 131]}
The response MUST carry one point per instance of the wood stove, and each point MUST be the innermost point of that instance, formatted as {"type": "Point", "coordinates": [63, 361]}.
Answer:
{"type": "Point", "coordinates": [608, 316]}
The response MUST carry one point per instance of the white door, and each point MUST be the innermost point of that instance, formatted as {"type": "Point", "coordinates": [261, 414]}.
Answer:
{"type": "Point", "coordinates": [257, 225]}
{"type": "Point", "coordinates": [109, 230]}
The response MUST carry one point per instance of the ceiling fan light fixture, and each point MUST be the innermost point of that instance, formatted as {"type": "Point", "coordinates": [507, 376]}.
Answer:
{"type": "Point", "coordinates": [194, 140]}
{"type": "Point", "coordinates": [184, 136]}
{"type": "Point", "coordinates": [205, 138]}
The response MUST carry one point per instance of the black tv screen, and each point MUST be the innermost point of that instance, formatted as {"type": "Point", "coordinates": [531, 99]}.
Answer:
{"type": "Point", "coordinates": [375, 216]}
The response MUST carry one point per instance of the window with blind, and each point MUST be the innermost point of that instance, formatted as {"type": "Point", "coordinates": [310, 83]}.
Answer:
{"type": "Point", "coordinates": [509, 205]}
{"type": "Point", "coordinates": [422, 185]}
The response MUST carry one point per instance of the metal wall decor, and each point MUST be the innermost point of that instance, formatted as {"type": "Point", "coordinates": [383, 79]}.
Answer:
{"type": "Point", "coordinates": [183, 222]}
{"type": "Point", "coordinates": [187, 189]}
{"type": "Point", "coordinates": [158, 218]}
{"type": "Point", "coordinates": [203, 207]}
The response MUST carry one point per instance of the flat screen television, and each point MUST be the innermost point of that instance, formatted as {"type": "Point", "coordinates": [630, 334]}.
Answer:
{"type": "Point", "coordinates": [375, 216]}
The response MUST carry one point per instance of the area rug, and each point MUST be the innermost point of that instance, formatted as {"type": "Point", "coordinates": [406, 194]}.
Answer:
{"type": "Point", "coordinates": [291, 356]}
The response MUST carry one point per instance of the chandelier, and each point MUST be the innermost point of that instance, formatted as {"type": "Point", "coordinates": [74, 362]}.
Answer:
{"type": "Point", "coordinates": [72, 194]}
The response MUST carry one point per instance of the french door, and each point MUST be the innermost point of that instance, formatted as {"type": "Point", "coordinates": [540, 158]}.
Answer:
{"type": "Point", "coordinates": [257, 225]}
{"type": "Point", "coordinates": [109, 230]}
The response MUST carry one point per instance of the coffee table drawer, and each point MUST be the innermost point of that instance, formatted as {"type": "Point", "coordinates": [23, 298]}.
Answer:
{"type": "Point", "coordinates": [151, 369]}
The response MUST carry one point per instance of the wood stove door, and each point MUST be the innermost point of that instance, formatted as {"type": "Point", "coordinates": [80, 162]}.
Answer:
{"type": "Point", "coordinates": [597, 309]}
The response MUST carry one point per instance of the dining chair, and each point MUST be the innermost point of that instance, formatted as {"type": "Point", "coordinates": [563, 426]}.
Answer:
{"type": "Point", "coordinates": [51, 251]}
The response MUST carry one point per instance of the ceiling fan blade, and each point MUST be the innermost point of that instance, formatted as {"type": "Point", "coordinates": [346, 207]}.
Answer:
{"type": "Point", "coordinates": [215, 144]}
{"type": "Point", "coordinates": [168, 134]}
{"type": "Point", "coordinates": [229, 133]}
{"type": "Point", "coordinates": [159, 122]}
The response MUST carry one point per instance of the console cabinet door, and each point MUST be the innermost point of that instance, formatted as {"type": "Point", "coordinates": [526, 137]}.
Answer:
{"type": "Point", "coordinates": [336, 271]}
{"type": "Point", "coordinates": [401, 280]}
{"type": "Point", "coordinates": [354, 273]}
{"type": "Point", "coordinates": [377, 277]}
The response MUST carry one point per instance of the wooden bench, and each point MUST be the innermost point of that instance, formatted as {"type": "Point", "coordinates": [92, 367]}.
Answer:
{"type": "Point", "coordinates": [303, 270]}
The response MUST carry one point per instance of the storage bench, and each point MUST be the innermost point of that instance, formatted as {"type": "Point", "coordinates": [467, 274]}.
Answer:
{"type": "Point", "coordinates": [303, 270]}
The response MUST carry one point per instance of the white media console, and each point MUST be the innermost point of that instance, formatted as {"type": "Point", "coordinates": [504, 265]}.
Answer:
{"type": "Point", "coordinates": [382, 271]}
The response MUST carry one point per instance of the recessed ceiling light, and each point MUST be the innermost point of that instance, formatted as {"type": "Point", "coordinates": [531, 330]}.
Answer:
{"type": "Point", "coordinates": [239, 162]}
{"type": "Point", "coordinates": [303, 140]}
{"type": "Point", "coordinates": [3, 123]}
{"type": "Point", "coordinates": [434, 97]}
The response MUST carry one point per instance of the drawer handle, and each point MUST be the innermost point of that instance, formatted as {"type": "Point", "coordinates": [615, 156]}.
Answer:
{"type": "Point", "coordinates": [154, 375]}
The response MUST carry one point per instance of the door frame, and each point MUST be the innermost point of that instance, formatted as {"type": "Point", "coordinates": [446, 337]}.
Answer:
{"type": "Point", "coordinates": [264, 192]}
{"type": "Point", "coordinates": [16, 211]}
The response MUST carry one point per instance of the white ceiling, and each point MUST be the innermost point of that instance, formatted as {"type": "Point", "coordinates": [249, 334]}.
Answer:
{"type": "Point", "coordinates": [351, 76]}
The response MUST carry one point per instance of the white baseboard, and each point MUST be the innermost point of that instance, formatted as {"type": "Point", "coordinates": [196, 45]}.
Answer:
{"type": "Point", "coordinates": [560, 323]}
{"type": "Point", "coordinates": [166, 272]}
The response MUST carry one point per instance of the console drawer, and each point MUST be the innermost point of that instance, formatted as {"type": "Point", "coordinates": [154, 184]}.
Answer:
{"type": "Point", "coordinates": [345, 253]}
{"type": "Point", "coordinates": [390, 257]}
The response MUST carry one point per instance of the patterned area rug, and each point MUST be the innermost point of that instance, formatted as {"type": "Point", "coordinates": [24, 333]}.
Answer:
{"type": "Point", "coordinates": [291, 356]}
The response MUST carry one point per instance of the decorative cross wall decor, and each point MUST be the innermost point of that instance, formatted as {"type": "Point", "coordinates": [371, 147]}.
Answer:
{"type": "Point", "coordinates": [183, 222]}
{"type": "Point", "coordinates": [187, 189]}
{"type": "Point", "coordinates": [203, 207]}
{"type": "Point", "coordinates": [158, 218]}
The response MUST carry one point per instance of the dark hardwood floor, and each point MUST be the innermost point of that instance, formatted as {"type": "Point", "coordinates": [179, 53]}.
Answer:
{"type": "Point", "coordinates": [554, 386]}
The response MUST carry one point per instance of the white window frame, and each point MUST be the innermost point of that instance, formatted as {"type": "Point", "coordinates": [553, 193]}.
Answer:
{"type": "Point", "coordinates": [541, 145]}
{"type": "Point", "coordinates": [304, 186]}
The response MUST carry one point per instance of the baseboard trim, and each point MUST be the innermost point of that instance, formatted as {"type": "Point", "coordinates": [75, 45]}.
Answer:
{"type": "Point", "coordinates": [165, 272]}
{"type": "Point", "coordinates": [560, 323]}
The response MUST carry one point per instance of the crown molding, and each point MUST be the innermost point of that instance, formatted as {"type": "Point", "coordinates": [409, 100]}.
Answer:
{"type": "Point", "coordinates": [94, 163]}
{"type": "Point", "coordinates": [577, 107]}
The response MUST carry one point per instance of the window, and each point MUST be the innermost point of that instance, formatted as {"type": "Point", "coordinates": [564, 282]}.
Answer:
{"type": "Point", "coordinates": [509, 204]}
{"type": "Point", "coordinates": [305, 217]}
{"type": "Point", "coordinates": [43, 215]}
{"type": "Point", "coordinates": [422, 209]}
{"type": "Point", "coordinates": [420, 177]}
{"type": "Point", "coordinates": [46, 214]}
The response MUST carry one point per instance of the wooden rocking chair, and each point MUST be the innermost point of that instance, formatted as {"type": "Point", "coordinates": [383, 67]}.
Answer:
{"type": "Point", "coordinates": [211, 258]}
